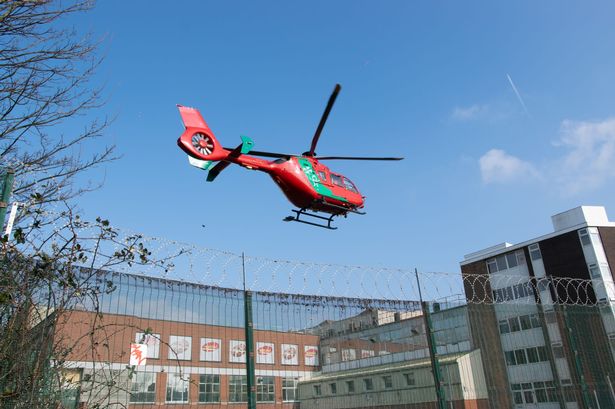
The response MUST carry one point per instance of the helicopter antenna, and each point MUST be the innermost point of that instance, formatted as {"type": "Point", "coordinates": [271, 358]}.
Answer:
{"type": "Point", "coordinates": [325, 115]}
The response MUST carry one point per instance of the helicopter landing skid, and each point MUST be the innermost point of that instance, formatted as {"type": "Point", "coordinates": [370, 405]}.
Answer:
{"type": "Point", "coordinates": [303, 212]}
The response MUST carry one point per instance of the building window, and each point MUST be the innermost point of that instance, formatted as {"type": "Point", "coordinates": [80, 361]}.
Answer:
{"type": "Point", "coordinates": [289, 389]}
{"type": "Point", "coordinates": [535, 253]}
{"type": "Point", "coordinates": [209, 388]}
{"type": "Point", "coordinates": [350, 386]}
{"type": "Point", "coordinates": [510, 358]}
{"type": "Point", "coordinates": [514, 324]}
{"type": "Point", "coordinates": [558, 349]}
{"type": "Point", "coordinates": [388, 381]}
{"type": "Point", "coordinates": [512, 260]}
{"type": "Point", "coordinates": [504, 327]}
{"type": "Point", "coordinates": [584, 236]}
{"type": "Point", "coordinates": [368, 384]}
{"type": "Point", "coordinates": [522, 393]}
{"type": "Point", "coordinates": [542, 354]}
{"type": "Point", "coordinates": [143, 387]}
{"type": "Point", "coordinates": [265, 389]}
{"type": "Point", "coordinates": [524, 356]}
{"type": "Point", "coordinates": [526, 323]}
{"type": "Point", "coordinates": [238, 388]}
{"type": "Point", "coordinates": [532, 355]}
{"type": "Point", "coordinates": [333, 388]}
{"type": "Point", "coordinates": [177, 388]}
{"type": "Point", "coordinates": [594, 271]}
{"type": "Point", "coordinates": [521, 323]}
{"type": "Point", "coordinates": [535, 321]}
{"type": "Point", "coordinates": [520, 356]}
{"type": "Point", "coordinates": [528, 394]}
{"type": "Point", "coordinates": [410, 380]}
{"type": "Point", "coordinates": [317, 390]}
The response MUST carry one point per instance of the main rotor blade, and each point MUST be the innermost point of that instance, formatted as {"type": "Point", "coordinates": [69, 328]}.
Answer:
{"type": "Point", "coordinates": [355, 158]}
{"type": "Point", "coordinates": [268, 154]}
{"type": "Point", "coordinates": [323, 119]}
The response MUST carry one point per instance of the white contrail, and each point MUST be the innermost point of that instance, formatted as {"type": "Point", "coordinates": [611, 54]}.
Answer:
{"type": "Point", "coordinates": [512, 84]}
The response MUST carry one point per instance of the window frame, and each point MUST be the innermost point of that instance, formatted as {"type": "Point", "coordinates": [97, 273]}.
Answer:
{"type": "Point", "coordinates": [387, 381]}
{"type": "Point", "coordinates": [286, 389]}
{"type": "Point", "coordinates": [171, 389]}
{"type": "Point", "coordinates": [243, 385]}
{"type": "Point", "coordinates": [203, 395]}
{"type": "Point", "coordinates": [135, 381]}
{"type": "Point", "coordinates": [265, 391]}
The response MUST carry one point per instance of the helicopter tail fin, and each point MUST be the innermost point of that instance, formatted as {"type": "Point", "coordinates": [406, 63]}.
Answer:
{"type": "Point", "coordinates": [198, 140]}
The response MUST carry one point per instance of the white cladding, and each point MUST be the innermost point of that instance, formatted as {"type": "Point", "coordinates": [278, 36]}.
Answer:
{"type": "Point", "coordinates": [582, 215]}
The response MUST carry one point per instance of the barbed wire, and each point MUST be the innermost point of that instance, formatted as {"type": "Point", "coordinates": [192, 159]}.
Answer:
{"type": "Point", "coordinates": [188, 262]}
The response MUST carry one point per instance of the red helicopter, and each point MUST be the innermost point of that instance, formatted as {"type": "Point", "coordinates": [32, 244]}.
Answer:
{"type": "Point", "coordinates": [307, 183]}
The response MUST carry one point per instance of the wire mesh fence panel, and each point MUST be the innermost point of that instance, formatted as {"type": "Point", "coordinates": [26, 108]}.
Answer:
{"type": "Point", "coordinates": [150, 341]}
{"type": "Point", "coordinates": [157, 323]}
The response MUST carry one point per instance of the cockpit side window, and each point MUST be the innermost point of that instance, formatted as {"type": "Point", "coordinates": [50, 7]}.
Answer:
{"type": "Point", "coordinates": [322, 175]}
{"type": "Point", "coordinates": [337, 180]}
{"type": "Point", "coordinates": [350, 186]}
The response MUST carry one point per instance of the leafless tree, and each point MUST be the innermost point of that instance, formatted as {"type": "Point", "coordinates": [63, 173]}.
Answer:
{"type": "Point", "coordinates": [49, 109]}
{"type": "Point", "coordinates": [48, 102]}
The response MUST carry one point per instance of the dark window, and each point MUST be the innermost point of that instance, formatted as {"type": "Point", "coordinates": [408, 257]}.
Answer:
{"type": "Point", "coordinates": [350, 386]}
{"type": "Point", "coordinates": [238, 388]}
{"type": "Point", "coordinates": [510, 358]}
{"type": "Point", "coordinates": [526, 323]}
{"type": "Point", "coordinates": [558, 350]}
{"type": "Point", "coordinates": [504, 327]}
{"type": "Point", "coordinates": [518, 396]}
{"type": "Point", "coordinates": [542, 354]}
{"type": "Point", "coordinates": [317, 390]}
{"type": "Point", "coordinates": [535, 252]}
{"type": "Point", "coordinates": [541, 392]}
{"type": "Point", "coordinates": [509, 294]}
{"type": "Point", "coordinates": [520, 356]}
{"type": "Point", "coordinates": [265, 389]}
{"type": "Point", "coordinates": [368, 383]}
{"type": "Point", "coordinates": [388, 381]}
{"type": "Point", "coordinates": [535, 321]}
{"type": "Point", "coordinates": [501, 260]}
{"type": "Point", "coordinates": [209, 388]}
{"type": "Point", "coordinates": [512, 260]}
{"type": "Point", "coordinates": [333, 388]}
{"type": "Point", "coordinates": [532, 355]}
{"type": "Point", "coordinates": [514, 324]}
{"type": "Point", "coordinates": [410, 381]}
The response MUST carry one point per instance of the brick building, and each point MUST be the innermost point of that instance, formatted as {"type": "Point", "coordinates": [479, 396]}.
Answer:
{"type": "Point", "coordinates": [547, 326]}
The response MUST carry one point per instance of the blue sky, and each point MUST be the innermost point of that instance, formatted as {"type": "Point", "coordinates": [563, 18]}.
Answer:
{"type": "Point", "coordinates": [424, 80]}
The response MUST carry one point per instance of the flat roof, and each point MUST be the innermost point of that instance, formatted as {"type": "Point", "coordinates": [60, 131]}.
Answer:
{"type": "Point", "coordinates": [388, 367]}
{"type": "Point", "coordinates": [498, 249]}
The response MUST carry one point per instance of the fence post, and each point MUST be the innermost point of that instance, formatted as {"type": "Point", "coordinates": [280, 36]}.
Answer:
{"type": "Point", "coordinates": [577, 359]}
{"type": "Point", "coordinates": [435, 365]}
{"type": "Point", "coordinates": [431, 345]}
{"type": "Point", "coordinates": [249, 333]}
{"type": "Point", "coordinates": [5, 194]}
